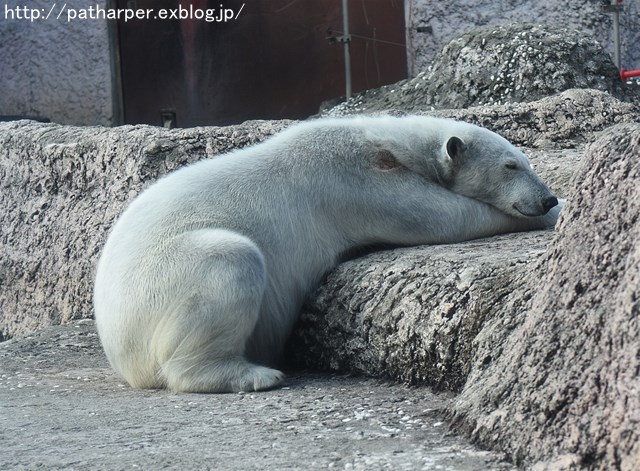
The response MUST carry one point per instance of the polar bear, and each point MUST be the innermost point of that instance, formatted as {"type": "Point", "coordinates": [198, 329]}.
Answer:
{"type": "Point", "coordinates": [202, 277]}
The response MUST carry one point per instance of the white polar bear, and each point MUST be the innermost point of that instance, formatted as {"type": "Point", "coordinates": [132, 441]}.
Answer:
{"type": "Point", "coordinates": [201, 279]}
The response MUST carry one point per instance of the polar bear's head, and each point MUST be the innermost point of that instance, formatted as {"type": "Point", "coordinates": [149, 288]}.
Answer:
{"type": "Point", "coordinates": [467, 159]}
{"type": "Point", "coordinates": [488, 168]}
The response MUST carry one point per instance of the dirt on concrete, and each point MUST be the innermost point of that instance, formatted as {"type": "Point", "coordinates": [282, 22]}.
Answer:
{"type": "Point", "coordinates": [62, 407]}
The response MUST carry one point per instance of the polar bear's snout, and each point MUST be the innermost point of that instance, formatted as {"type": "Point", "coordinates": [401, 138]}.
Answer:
{"type": "Point", "coordinates": [548, 203]}
{"type": "Point", "coordinates": [542, 207]}
{"type": "Point", "coordinates": [529, 195]}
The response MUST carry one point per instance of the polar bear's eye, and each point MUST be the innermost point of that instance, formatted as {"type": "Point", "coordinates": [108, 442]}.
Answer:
{"type": "Point", "coordinates": [511, 165]}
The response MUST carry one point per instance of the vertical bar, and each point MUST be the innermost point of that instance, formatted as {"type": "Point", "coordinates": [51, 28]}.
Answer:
{"type": "Point", "coordinates": [616, 37]}
{"type": "Point", "coordinates": [347, 51]}
{"type": "Point", "coordinates": [409, 31]}
{"type": "Point", "coordinates": [117, 90]}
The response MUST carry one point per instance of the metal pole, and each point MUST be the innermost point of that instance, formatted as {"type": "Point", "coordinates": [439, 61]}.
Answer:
{"type": "Point", "coordinates": [614, 7]}
{"type": "Point", "coordinates": [616, 37]}
{"type": "Point", "coordinates": [347, 51]}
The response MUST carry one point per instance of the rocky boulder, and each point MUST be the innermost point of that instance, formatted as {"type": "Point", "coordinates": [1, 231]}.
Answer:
{"type": "Point", "coordinates": [412, 314]}
{"type": "Point", "coordinates": [501, 64]}
{"type": "Point", "coordinates": [566, 120]}
{"type": "Point", "coordinates": [556, 376]}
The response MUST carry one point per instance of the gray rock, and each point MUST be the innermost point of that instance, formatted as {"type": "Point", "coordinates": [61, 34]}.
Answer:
{"type": "Point", "coordinates": [565, 120]}
{"type": "Point", "coordinates": [411, 314]}
{"type": "Point", "coordinates": [36, 79]}
{"type": "Point", "coordinates": [560, 383]}
{"type": "Point", "coordinates": [431, 23]}
{"type": "Point", "coordinates": [498, 65]}
{"type": "Point", "coordinates": [544, 351]}
{"type": "Point", "coordinates": [568, 119]}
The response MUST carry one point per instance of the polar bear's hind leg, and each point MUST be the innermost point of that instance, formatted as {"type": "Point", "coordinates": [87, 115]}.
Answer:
{"type": "Point", "coordinates": [200, 346]}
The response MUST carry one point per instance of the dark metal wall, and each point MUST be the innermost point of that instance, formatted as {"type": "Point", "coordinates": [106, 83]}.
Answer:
{"type": "Point", "coordinates": [273, 61]}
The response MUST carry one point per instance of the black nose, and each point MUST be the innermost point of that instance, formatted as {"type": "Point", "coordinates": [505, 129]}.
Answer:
{"type": "Point", "coordinates": [549, 202]}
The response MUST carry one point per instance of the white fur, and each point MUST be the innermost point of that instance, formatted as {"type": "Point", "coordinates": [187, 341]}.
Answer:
{"type": "Point", "coordinates": [202, 277]}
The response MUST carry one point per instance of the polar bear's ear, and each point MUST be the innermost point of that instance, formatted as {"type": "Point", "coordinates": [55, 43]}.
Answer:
{"type": "Point", "coordinates": [455, 148]}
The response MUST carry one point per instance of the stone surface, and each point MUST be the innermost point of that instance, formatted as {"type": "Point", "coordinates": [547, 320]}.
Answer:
{"type": "Point", "coordinates": [411, 314]}
{"type": "Point", "coordinates": [61, 189]}
{"type": "Point", "coordinates": [62, 407]}
{"type": "Point", "coordinates": [566, 120]}
{"type": "Point", "coordinates": [502, 64]}
{"type": "Point", "coordinates": [431, 24]}
{"type": "Point", "coordinates": [562, 379]}
{"type": "Point", "coordinates": [53, 68]}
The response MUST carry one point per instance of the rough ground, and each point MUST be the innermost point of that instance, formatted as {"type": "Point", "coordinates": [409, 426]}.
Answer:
{"type": "Point", "coordinates": [61, 406]}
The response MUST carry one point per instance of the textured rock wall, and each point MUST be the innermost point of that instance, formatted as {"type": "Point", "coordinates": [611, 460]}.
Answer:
{"type": "Point", "coordinates": [565, 120]}
{"type": "Point", "coordinates": [560, 383]}
{"type": "Point", "coordinates": [53, 68]}
{"type": "Point", "coordinates": [439, 22]}
{"type": "Point", "coordinates": [61, 189]}
{"type": "Point", "coordinates": [411, 314]}
{"type": "Point", "coordinates": [517, 63]}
